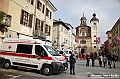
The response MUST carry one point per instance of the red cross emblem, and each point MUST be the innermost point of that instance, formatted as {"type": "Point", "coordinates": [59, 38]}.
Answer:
{"type": "Point", "coordinates": [9, 46]}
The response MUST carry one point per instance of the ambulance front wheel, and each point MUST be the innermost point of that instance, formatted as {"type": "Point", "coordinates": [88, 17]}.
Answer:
{"type": "Point", "coordinates": [47, 70]}
{"type": "Point", "coordinates": [6, 64]}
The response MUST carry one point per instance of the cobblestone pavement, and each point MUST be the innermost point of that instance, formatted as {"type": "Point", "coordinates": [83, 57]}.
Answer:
{"type": "Point", "coordinates": [82, 72]}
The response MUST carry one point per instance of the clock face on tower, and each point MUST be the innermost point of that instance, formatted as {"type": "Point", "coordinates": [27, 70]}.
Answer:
{"type": "Point", "coordinates": [94, 27]}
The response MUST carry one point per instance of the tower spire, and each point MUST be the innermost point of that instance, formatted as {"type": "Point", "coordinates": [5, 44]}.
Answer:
{"type": "Point", "coordinates": [83, 14]}
{"type": "Point", "coordinates": [83, 20]}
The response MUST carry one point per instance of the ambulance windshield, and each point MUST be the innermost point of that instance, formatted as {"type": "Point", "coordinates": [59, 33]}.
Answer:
{"type": "Point", "coordinates": [51, 50]}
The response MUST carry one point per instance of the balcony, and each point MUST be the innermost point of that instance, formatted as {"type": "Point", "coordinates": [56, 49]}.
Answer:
{"type": "Point", "coordinates": [5, 20]}
{"type": "Point", "coordinates": [40, 34]}
{"type": "Point", "coordinates": [37, 33]}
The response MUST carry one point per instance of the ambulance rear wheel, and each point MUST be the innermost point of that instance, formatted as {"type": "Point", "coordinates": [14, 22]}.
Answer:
{"type": "Point", "coordinates": [47, 70]}
{"type": "Point", "coordinates": [6, 64]}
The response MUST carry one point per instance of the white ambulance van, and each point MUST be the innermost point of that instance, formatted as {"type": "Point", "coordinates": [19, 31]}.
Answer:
{"type": "Point", "coordinates": [32, 54]}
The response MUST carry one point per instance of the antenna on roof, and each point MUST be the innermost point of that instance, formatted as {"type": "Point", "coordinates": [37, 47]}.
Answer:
{"type": "Point", "coordinates": [94, 10]}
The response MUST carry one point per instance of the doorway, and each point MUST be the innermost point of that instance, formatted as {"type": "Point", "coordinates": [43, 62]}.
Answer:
{"type": "Point", "coordinates": [82, 52]}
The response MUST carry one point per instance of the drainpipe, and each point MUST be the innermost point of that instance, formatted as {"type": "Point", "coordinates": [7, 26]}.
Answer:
{"type": "Point", "coordinates": [34, 19]}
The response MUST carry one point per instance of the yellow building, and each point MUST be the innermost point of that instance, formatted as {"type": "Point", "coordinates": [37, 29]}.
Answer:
{"type": "Point", "coordinates": [74, 43]}
{"type": "Point", "coordinates": [29, 18]}
{"type": "Point", "coordinates": [60, 34]}
{"type": "Point", "coordinates": [87, 35]}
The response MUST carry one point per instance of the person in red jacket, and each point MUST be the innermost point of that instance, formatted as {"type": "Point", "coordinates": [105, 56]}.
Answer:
{"type": "Point", "coordinates": [80, 56]}
{"type": "Point", "coordinates": [84, 56]}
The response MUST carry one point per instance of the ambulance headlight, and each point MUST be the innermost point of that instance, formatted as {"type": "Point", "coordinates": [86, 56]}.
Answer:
{"type": "Point", "coordinates": [55, 58]}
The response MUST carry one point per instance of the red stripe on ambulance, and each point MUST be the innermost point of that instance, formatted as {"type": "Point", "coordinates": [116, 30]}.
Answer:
{"type": "Point", "coordinates": [25, 55]}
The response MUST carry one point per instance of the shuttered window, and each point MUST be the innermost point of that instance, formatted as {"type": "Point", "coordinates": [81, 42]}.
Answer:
{"type": "Point", "coordinates": [47, 29]}
{"type": "Point", "coordinates": [43, 8]}
{"type": "Point", "coordinates": [48, 13]}
{"type": "Point", "coordinates": [39, 6]}
{"type": "Point", "coordinates": [42, 26]}
{"type": "Point", "coordinates": [26, 19]}
{"type": "Point", "coordinates": [30, 20]}
{"type": "Point", "coordinates": [37, 27]}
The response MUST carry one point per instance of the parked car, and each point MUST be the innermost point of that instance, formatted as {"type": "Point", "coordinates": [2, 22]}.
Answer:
{"type": "Point", "coordinates": [66, 54]}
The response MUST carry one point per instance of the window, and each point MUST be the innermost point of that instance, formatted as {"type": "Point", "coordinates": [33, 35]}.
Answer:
{"type": "Point", "coordinates": [62, 29]}
{"type": "Point", "coordinates": [53, 38]}
{"type": "Point", "coordinates": [30, 1]}
{"type": "Point", "coordinates": [94, 23]}
{"type": "Point", "coordinates": [83, 34]}
{"type": "Point", "coordinates": [26, 19]}
{"type": "Point", "coordinates": [22, 48]}
{"type": "Point", "coordinates": [94, 46]}
{"type": "Point", "coordinates": [116, 30]}
{"type": "Point", "coordinates": [48, 13]}
{"type": "Point", "coordinates": [37, 27]}
{"type": "Point", "coordinates": [39, 6]}
{"type": "Point", "coordinates": [39, 49]}
{"type": "Point", "coordinates": [61, 52]}
{"type": "Point", "coordinates": [64, 40]}
{"type": "Point", "coordinates": [42, 25]}
{"type": "Point", "coordinates": [83, 42]}
{"type": "Point", "coordinates": [47, 29]}
{"type": "Point", "coordinates": [94, 40]}
{"type": "Point", "coordinates": [43, 8]}
{"type": "Point", "coordinates": [51, 50]}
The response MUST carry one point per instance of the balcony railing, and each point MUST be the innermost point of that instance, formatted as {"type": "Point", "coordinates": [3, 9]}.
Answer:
{"type": "Point", "coordinates": [5, 20]}
{"type": "Point", "coordinates": [38, 33]}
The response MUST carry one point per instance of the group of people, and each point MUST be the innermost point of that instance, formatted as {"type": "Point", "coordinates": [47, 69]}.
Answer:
{"type": "Point", "coordinates": [91, 56]}
{"type": "Point", "coordinates": [105, 59]}
{"type": "Point", "coordinates": [110, 60]}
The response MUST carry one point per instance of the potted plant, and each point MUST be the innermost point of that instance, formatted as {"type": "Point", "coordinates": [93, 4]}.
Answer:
{"type": "Point", "coordinates": [1, 15]}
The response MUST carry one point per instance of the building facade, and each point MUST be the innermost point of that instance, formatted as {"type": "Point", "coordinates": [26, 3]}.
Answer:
{"type": "Point", "coordinates": [74, 43]}
{"type": "Point", "coordinates": [60, 34]}
{"type": "Point", "coordinates": [115, 31]}
{"type": "Point", "coordinates": [70, 32]}
{"type": "Point", "coordinates": [108, 43]}
{"type": "Point", "coordinates": [87, 35]}
{"type": "Point", "coordinates": [29, 18]}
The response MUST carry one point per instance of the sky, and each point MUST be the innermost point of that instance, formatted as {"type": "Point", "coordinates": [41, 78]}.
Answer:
{"type": "Point", "coordinates": [71, 11]}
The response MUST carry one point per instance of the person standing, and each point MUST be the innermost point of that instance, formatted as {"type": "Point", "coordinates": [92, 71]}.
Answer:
{"type": "Point", "coordinates": [104, 61]}
{"type": "Point", "coordinates": [80, 56]}
{"type": "Point", "coordinates": [87, 59]}
{"type": "Point", "coordinates": [72, 63]}
{"type": "Point", "coordinates": [84, 56]}
{"type": "Point", "coordinates": [110, 58]}
{"type": "Point", "coordinates": [100, 58]}
{"type": "Point", "coordinates": [115, 58]}
{"type": "Point", "coordinates": [93, 59]}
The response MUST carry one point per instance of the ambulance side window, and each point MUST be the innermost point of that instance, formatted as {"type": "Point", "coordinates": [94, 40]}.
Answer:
{"type": "Point", "coordinates": [61, 52]}
{"type": "Point", "coordinates": [39, 50]}
{"type": "Point", "coordinates": [22, 48]}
